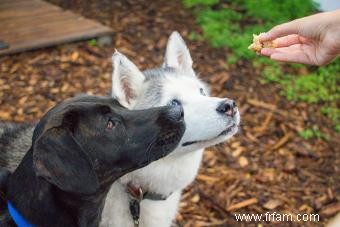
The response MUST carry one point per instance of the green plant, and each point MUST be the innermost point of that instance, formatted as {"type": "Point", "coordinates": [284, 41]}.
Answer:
{"type": "Point", "coordinates": [314, 132]}
{"type": "Point", "coordinates": [190, 3]}
{"type": "Point", "coordinates": [92, 42]}
{"type": "Point", "coordinates": [320, 86]}
{"type": "Point", "coordinates": [333, 113]}
{"type": "Point", "coordinates": [194, 36]}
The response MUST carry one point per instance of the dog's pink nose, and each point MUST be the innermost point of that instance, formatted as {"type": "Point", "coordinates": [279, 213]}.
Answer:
{"type": "Point", "coordinates": [227, 107]}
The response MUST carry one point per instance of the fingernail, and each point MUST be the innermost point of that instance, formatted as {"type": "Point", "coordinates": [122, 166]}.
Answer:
{"type": "Point", "coordinates": [266, 51]}
{"type": "Point", "coordinates": [264, 36]}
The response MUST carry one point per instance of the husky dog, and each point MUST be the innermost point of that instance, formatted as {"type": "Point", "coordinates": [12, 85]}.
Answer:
{"type": "Point", "coordinates": [209, 121]}
{"type": "Point", "coordinates": [15, 140]}
{"type": "Point", "coordinates": [156, 189]}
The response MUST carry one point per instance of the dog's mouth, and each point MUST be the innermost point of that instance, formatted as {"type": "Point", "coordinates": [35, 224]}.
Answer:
{"type": "Point", "coordinates": [167, 138]}
{"type": "Point", "coordinates": [223, 133]}
{"type": "Point", "coordinates": [165, 143]}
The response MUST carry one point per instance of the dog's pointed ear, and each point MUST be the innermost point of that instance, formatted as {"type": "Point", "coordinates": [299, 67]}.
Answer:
{"type": "Point", "coordinates": [59, 159]}
{"type": "Point", "coordinates": [177, 54]}
{"type": "Point", "coordinates": [127, 80]}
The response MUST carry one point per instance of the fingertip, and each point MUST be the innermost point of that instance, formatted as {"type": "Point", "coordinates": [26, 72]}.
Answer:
{"type": "Point", "coordinates": [265, 36]}
{"type": "Point", "coordinates": [267, 51]}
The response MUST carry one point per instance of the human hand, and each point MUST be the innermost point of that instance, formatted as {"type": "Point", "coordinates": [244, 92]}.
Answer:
{"type": "Point", "coordinates": [313, 40]}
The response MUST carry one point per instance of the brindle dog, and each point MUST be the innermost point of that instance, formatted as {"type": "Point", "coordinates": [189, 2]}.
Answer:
{"type": "Point", "coordinates": [79, 148]}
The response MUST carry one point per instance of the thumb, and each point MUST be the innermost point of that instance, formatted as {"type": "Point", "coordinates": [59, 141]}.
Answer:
{"type": "Point", "coordinates": [292, 27]}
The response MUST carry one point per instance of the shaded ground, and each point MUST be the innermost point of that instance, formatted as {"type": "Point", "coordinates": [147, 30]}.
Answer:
{"type": "Point", "coordinates": [266, 168]}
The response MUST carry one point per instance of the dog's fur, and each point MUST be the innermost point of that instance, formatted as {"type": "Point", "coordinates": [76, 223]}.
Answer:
{"type": "Point", "coordinates": [79, 148]}
{"type": "Point", "coordinates": [134, 89]}
{"type": "Point", "coordinates": [15, 140]}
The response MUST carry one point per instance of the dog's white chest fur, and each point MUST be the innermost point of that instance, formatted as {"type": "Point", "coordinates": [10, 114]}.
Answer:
{"type": "Point", "coordinates": [169, 175]}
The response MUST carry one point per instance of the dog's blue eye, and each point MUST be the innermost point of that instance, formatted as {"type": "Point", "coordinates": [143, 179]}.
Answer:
{"type": "Point", "coordinates": [202, 92]}
{"type": "Point", "coordinates": [175, 102]}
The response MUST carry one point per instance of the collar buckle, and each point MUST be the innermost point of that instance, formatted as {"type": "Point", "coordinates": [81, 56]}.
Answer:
{"type": "Point", "coordinates": [137, 194]}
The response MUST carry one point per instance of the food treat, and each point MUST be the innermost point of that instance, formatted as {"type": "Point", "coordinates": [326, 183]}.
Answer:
{"type": "Point", "coordinates": [257, 45]}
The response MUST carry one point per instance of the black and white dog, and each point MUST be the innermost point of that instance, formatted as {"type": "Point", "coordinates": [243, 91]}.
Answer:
{"type": "Point", "coordinates": [79, 148]}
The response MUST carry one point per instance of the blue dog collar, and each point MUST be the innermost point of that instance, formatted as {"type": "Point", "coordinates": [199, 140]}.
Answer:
{"type": "Point", "coordinates": [17, 217]}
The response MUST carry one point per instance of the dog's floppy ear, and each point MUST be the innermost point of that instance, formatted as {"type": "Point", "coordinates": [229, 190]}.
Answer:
{"type": "Point", "coordinates": [127, 80]}
{"type": "Point", "coordinates": [59, 159]}
{"type": "Point", "coordinates": [177, 54]}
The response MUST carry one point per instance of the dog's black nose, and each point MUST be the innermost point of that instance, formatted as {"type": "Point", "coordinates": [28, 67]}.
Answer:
{"type": "Point", "coordinates": [176, 113]}
{"type": "Point", "coordinates": [227, 107]}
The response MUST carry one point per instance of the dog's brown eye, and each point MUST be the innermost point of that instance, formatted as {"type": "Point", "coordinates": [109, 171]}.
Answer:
{"type": "Point", "coordinates": [111, 124]}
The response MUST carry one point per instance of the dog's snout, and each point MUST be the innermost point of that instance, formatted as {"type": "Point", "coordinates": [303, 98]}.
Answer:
{"type": "Point", "coordinates": [176, 114]}
{"type": "Point", "coordinates": [227, 107]}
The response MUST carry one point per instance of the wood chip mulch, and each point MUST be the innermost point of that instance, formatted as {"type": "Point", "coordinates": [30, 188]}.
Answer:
{"type": "Point", "coordinates": [267, 167]}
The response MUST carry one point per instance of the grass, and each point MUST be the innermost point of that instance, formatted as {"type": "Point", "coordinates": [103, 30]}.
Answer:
{"type": "Point", "coordinates": [92, 42]}
{"type": "Point", "coordinates": [231, 24]}
{"type": "Point", "coordinates": [309, 133]}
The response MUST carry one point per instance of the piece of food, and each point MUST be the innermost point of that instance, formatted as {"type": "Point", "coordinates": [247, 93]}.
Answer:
{"type": "Point", "coordinates": [257, 45]}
